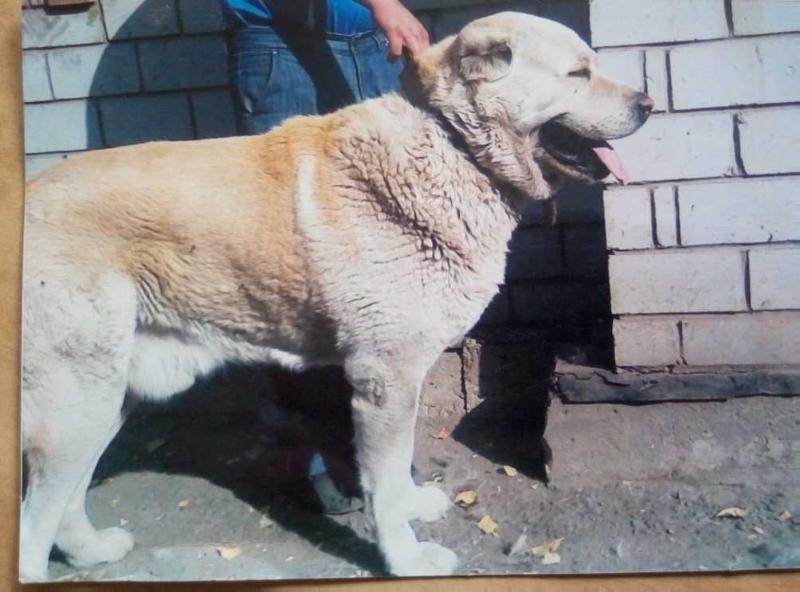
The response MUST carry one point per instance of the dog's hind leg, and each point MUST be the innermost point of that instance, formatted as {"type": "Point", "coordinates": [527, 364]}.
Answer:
{"type": "Point", "coordinates": [80, 542]}
{"type": "Point", "coordinates": [385, 402]}
{"type": "Point", "coordinates": [76, 354]}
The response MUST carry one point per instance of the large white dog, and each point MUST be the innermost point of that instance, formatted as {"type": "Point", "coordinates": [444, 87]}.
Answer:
{"type": "Point", "coordinates": [372, 238]}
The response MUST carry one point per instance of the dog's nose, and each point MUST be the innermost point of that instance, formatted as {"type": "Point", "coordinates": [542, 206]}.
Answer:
{"type": "Point", "coordinates": [644, 104]}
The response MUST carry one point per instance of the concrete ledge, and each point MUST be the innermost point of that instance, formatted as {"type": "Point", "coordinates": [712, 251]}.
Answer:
{"type": "Point", "coordinates": [585, 384]}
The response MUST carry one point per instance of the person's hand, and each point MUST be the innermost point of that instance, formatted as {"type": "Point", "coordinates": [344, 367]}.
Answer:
{"type": "Point", "coordinates": [404, 31]}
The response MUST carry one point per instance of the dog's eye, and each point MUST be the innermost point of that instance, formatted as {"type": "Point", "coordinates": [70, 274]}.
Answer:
{"type": "Point", "coordinates": [580, 73]}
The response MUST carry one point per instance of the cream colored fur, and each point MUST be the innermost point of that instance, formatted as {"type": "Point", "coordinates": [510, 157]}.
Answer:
{"type": "Point", "coordinates": [367, 238]}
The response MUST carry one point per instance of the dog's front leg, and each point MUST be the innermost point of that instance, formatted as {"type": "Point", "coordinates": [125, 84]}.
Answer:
{"type": "Point", "coordinates": [385, 404]}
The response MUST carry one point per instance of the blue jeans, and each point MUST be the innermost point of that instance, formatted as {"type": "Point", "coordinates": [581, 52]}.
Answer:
{"type": "Point", "coordinates": [276, 75]}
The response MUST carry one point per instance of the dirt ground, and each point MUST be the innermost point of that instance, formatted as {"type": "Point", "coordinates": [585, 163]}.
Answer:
{"type": "Point", "coordinates": [219, 495]}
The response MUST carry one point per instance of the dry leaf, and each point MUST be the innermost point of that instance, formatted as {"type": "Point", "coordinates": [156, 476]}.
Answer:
{"type": "Point", "coordinates": [442, 434]}
{"type": "Point", "coordinates": [548, 547]}
{"type": "Point", "coordinates": [758, 530]}
{"type": "Point", "coordinates": [487, 525]}
{"type": "Point", "coordinates": [551, 558]}
{"type": "Point", "coordinates": [263, 522]}
{"type": "Point", "coordinates": [733, 512]}
{"type": "Point", "coordinates": [184, 504]}
{"type": "Point", "coordinates": [510, 471]}
{"type": "Point", "coordinates": [154, 445]}
{"type": "Point", "coordinates": [466, 498]}
{"type": "Point", "coordinates": [229, 553]}
{"type": "Point", "coordinates": [784, 516]}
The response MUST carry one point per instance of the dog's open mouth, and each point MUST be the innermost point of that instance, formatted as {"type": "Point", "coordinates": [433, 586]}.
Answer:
{"type": "Point", "coordinates": [590, 160]}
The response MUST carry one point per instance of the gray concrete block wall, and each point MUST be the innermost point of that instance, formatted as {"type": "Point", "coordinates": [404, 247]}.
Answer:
{"type": "Point", "coordinates": [704, 265]}
{"type": "Point", "coordinates": [123, 71]}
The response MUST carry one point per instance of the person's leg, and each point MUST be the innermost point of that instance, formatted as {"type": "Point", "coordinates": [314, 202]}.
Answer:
{"type": "Point", "coordinates": [269, 82]}
{"type": "Point", "coordinates": [377, 75]}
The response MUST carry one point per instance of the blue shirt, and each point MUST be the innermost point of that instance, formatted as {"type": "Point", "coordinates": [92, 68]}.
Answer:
{"type": "Point", "coordinates": [343, 16]}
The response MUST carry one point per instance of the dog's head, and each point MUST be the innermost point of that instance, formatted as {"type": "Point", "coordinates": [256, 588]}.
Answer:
{"type": "Point", "coordinates": [526, 95]}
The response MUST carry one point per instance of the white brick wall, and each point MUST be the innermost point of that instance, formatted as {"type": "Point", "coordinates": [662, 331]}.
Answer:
{"type": "Point", "coordinates": [755, 17]}
{"type": "Point", "coordinates": [685, 146]}
{"type": "Point", "coordinates": [770, 140]}
{"type": "Point", "coordinates": [715, 225]}
{"type": "Point", "coordinates": [656, 79]}
{"type": "Point", "coordinates": [677, 281]}
{"type": "Point", "coordinates": [645, 341]}
{"type": "Point", "coordinates": [628, 218]}
{"type": "Point", "coordinates": [752, 211]}
{"type": "Point", "coordinates": [775, 278]}
{"type": "Point", "coordinates": [771, 338]}
{"type": "Point", "coordinates": [635, 22]}
{"type": "Point", "coordinates": [666, 216]}
{"type": "Point", "coordinates": [736, 72]}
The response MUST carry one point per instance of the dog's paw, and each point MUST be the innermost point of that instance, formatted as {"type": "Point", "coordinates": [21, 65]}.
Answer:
{"type": "Point", "coordinates": [429, 504]}
{"type": "Point", "coordinates": [111, 544]}
{"type": "Point", "coordinates": [428, 559]}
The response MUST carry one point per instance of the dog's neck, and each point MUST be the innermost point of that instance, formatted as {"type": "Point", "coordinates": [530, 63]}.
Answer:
{"type": "Point", "coordinates": [500, 153]}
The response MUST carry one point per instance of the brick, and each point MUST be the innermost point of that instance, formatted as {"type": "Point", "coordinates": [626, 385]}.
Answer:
{"type": "Point", "coordinates": [94, 70]}
{"type": "Point", "coordinates": [666, 216]}
{"type": "Point", "coordinates": [130, 120]}
{"type": "Point", "coordinates": [765, 16]}
{"type": "Point", "coordinates": [40, 29]}
{"type": "Point", "coordinates": [680, 146]}
{"type": "Point", "coordinates": [202, 16]}
{"type": "Point", "coordinates": [213, 113]}
{"type": "Point", "coordinates": [646, 342]}
{"type": "Point", "coordinates": [625, 66]}
{"type": "Point", "coordinates": [499, 310]}
{"type": "Point", "coordinates": [735, 72]}
{"type": "Point", "coordinates": [628, 218]}
{"type": "Point", "coordinates": [775, 278]}
{"type": "Point", "coordinates": [452, 20]}
{"type": "Point", "coordinates": [441, 390]}
{"type": "Point", "coordinates": [579, 203]}
{"type": "Point", "coordinates": [37, 163]}
{"type": "Point", "coordinates": [656, 78]}
{"type": "Point", "coordinates": [677, 281]}
{"type": "Point", "coordinates": [575, 203]}
{"type": "Point", "coordinates": [62, 126]}
{"type": "Point", "coordinates": [184, 63]}
{"type": "Point", "coordinates": [745, 211]}
{"type": "Point", "coordinates": [585, 251]}
{"type": "Point", "coordinates": [769, 140]}
{"type": "Point", "coordinates": [560, 302]}
{"type": "Point", "coordinates": [534, 253]}
{"type": "Point", "coordinates": [633, 22]}
{"type": "Point", "coordinates": [35, 81]}
{"type": "Point", "coordinates": [127, 19]}
{"type": "Point", "coordinates": [762, 338]}
{"type": "Point", "coordinates": [572, 13]}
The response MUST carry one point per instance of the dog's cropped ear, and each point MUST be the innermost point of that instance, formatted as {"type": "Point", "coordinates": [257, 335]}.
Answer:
{"type": "Point", "coordinates": [484, 53]}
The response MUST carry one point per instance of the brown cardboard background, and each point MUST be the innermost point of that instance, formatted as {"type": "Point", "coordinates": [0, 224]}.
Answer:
{"type": "Point", "coordinates": [11, 199]}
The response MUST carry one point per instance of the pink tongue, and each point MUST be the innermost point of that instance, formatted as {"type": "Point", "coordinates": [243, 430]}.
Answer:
{"type": "Point", "coordinates": [613, 163]}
